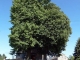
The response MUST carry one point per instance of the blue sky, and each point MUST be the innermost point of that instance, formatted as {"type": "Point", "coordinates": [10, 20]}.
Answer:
{"type": "Point", "coordinates": [70, 7]}
{"type": "Point", "coordinates": [4, 26]}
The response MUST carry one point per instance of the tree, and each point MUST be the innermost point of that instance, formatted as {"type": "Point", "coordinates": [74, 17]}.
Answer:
{"type": "Point", "coordinates": [77, 50]}
{"type": "Point", "coordinates": [71, 57]}
{"type": "Point", "coordinates": [2, 56]}
{"type": "Point", "coordinates": [38, 24]}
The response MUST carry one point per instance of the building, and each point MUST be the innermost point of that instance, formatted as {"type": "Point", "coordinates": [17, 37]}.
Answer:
{"type": "Point", "coordinates": [62, 57]}
{"type": "Point", "coordinates": [35, 56]}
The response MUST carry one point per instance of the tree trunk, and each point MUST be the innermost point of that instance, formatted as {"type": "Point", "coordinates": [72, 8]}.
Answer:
{"type": "Point", "coordinates": [28, 55]}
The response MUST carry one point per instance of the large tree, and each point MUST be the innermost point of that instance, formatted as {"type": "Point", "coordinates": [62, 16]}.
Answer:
{"type": "Point", "coordinates": [77, 50]}
{"type": "Point", "coordinates": [38, 24]}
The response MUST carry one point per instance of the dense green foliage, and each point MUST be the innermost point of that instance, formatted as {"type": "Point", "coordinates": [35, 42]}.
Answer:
{"type": "Point", "coordinates": [77, 50]}
{"type": "Point", "coordinates": [39, 24]}
{"type": "Point", "coordinates": [71, 57]}
{"type": "Point", "coordinates": [2, 56]}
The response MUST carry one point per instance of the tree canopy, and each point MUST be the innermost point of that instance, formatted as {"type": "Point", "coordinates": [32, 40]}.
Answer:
{"type": "Point", "coordinates": [39, 24]}
{"type": "Point", "coordinates": [77, 50]}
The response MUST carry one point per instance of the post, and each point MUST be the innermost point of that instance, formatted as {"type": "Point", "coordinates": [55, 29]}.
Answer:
{"type": "Point", "coordinates": [42, 57]}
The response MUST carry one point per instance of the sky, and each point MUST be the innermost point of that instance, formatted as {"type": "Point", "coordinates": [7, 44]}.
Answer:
{"type": "Point", "coordinates": [70, 7]}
